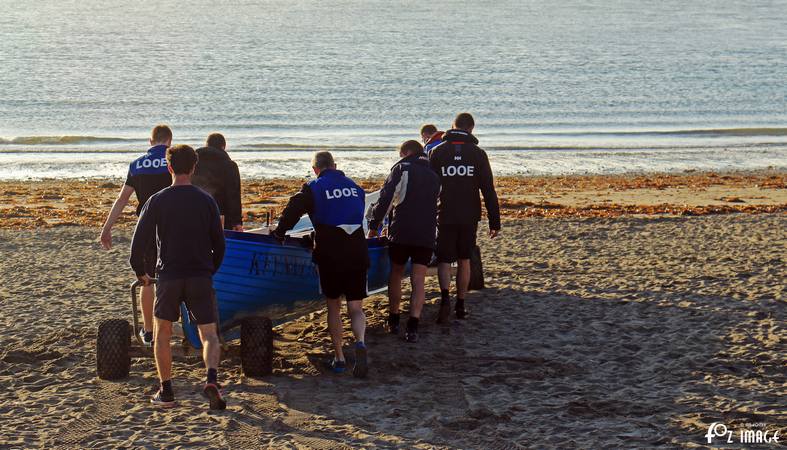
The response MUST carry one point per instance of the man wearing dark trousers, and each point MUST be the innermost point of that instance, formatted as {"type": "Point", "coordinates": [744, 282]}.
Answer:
{"type": "Point", "coordinates": [218, 175]}
{"type": "Point", "coordinates": [409, 195]}
{"type": "Point", "coordinates": [336, 205]}
{"type": "Point", "coordinates": [184, 221]}
{"type": "Point", "coordinates": [463, 169]}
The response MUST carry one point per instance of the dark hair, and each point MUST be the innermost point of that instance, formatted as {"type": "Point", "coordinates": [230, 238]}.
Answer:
{"type": "Point", "coordinates": [161, 133]}
{"type": "Point", "coordinates": [216, 140]}
{"type": "Point", "coordinates": [428, 128]}
{"type": "Point", "coordinates": [411, 147]}
{"type": "Point", "coordinates": [182, 159]}
{"type": "Point", "coordinates": [464, 121]}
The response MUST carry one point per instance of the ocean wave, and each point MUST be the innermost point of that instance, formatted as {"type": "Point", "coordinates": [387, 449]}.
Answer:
{"type": "Point", "coordinates": [62, 140]}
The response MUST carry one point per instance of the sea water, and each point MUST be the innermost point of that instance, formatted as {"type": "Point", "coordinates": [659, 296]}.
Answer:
{"type": "Point", "coordinates": [556, 87]}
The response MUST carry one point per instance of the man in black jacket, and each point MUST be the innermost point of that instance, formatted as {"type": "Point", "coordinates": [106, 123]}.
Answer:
{"type": "Point", "coordinates": [410, 196]}
{"type": "Point", "coordinates": [218, 175]}
{"type": "Point", "coordinates": [463, 169]}
{"type": "Point", "coordinates": [335, 205]}
{"type": "Point", "coordinates": [184, 221]}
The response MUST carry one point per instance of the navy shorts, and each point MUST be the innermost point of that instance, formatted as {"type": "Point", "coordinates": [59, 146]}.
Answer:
{"type": "Point", "coordinates": [401, 253]}
{"type": "Point", "coordinates": [349, 283]}
{"type": "Point", "coordinates": [455, 241]}
{"type": "Point", "coordinates": [196, 293]}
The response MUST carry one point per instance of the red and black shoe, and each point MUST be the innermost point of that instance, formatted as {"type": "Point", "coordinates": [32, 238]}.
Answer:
{"type": "Point", "coordinates": [213, 393]}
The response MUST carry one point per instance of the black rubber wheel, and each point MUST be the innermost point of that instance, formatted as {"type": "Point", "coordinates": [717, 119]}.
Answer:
{"type": "Point", "coordinates": [112, 349]}
{"type": "Point", "coordinates": [256, 346]}
{"type": "Point", "coordinates": [476, 270]}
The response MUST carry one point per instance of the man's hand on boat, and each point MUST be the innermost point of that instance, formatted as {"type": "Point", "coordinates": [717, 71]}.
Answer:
{"type": "Point", "coordinates": [371, 234]}
{"type": "Point", "coordinates": [145, 279]}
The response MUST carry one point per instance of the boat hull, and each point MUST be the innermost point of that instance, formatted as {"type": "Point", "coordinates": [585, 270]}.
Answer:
{"type": "Point", "coordinates": [261, 277]}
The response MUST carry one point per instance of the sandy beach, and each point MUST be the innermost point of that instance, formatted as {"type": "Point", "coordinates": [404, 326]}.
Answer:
{"type": "Point", "coordinates": [620, 312]}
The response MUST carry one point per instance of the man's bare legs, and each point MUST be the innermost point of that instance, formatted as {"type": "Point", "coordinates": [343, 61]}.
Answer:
{"type": "Point", "coordinates": [418, 296]}
{"type": "Point", "coordinates": [211, 348]}
{"type": "Point", "coordinates": [162, 332]}
{"type": "Point", "coordinates": [462, 285]}
{"type": "Point", "coordinates": [394, 296]}
{"type": "Point", "coordinates": [335, 326]}
{"type": "Point", "coordinates": [211, 354]}
{"type": "Point", "coordinates": [357, 320]}
{"type": "Point", "coordinates": [358, 323]}
{"type": "Point", "coordinates": [146, 300]}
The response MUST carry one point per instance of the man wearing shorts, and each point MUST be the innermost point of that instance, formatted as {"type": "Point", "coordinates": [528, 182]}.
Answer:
{"type": "Point", "coordinates": [463, 169]}
{"type": "Point", "coordinates": [184, 221]}
{"type": "Point", "coordinates": [409, 195]}
{"type": "Point", "coordinates": [335, 205]}
{"type": "Point", "coordinates": [146, 175]}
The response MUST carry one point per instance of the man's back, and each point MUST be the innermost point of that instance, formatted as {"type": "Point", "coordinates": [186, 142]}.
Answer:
{"type": "Point", "coordinates": [218, 175]}
{"type": "Point", "coordinates": [185, 220]}
{"type": "Point", "coordinates": [463, 169]}
{"type": "Point", "coordinates": [410, 193]}
{"type": "Point", "coordinates": [148, 174]}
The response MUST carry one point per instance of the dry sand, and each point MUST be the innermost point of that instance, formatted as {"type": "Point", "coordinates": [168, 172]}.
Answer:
{"type": "Point", "coordinates": [627, 332]}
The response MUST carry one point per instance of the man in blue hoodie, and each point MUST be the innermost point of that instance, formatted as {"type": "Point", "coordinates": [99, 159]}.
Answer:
{"type": "Point", "coordinates": [409, 195]}
{"type": "Point", "coordinates": [147, 175]}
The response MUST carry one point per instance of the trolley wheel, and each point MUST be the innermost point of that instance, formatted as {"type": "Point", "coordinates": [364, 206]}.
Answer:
{"type": "Point", "coordinates": [112, 349]}
{"type": "Point", "coordinates": [256, 346]}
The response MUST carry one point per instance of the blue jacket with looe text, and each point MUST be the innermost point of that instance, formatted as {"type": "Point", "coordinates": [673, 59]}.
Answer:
{"type": "Point", "coordinates": [338, 201]}
{"type": "Point", "coordinates": [335, 205]}
{"type": "Point", "coordinates": [148, 174]}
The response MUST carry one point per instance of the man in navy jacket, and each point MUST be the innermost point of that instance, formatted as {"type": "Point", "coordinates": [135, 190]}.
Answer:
{"type": "Point", "coordinates": [409, 195]}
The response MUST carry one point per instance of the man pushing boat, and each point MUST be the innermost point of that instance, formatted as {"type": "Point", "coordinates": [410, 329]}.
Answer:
{"type": "Point", "coordinates": [184, 221]}
{"type": "Point", "coordinates": [336, 206]}
{"type": "Point", "coordinates": [410, 196]}
{"type": "Point", "coordinates": [146, 175]}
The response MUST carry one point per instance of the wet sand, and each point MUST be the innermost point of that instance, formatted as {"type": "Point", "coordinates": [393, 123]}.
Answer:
{"type": "Point", "coordinates": [629, 330]}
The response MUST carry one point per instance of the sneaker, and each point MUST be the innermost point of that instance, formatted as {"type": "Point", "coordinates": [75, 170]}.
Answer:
{"type": "Point", "coordinates": [460, 312]}
{"type": "Point", "coordinates": [337, 366]}
{"type": "Point", "coordinates": [361, 367]}
{"type": "Point", "coordinates": [393, 326]}
{"type": "Point", "coordinates": [445, 311]}
{"type": "Point", "coordinates": [215, 398]}
{"type": "Point", "coordinates": [411, 336]}
{"type": "Point", "coordinates": [164, 401]}
{"type": "Point", "coordinates": [146, 337]}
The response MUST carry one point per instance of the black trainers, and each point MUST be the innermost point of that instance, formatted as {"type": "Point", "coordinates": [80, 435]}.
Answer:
{"type": "Point", "coordinates": [163, 400]}
{"type": "Point", "coordinates": [460, 311]}
{"type": "Point", "coordinates": [361, 367]}
{"type": "Point", "coordinates": [215, 398]}
{"type": "Point", "coordinates": [411, 336]}
{"type": "Point", "coordinates": [445, 311]}
{"type": "Point", "coordinates": [146, 337]}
